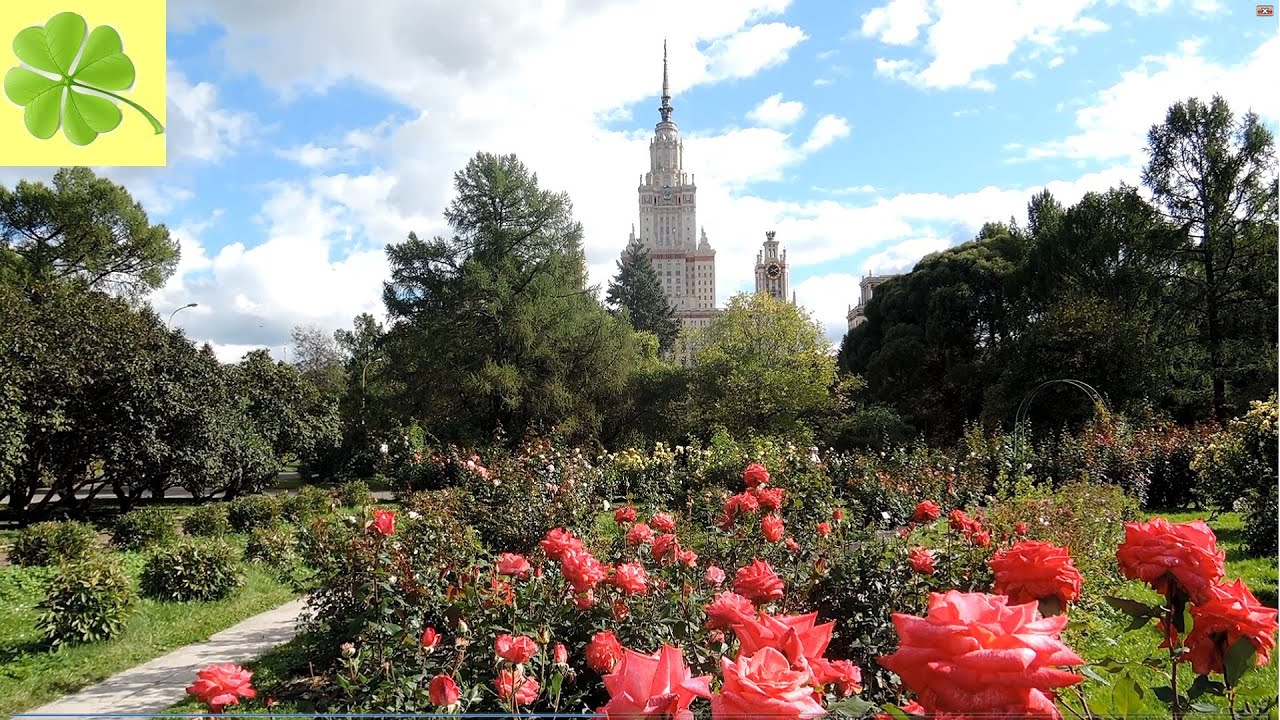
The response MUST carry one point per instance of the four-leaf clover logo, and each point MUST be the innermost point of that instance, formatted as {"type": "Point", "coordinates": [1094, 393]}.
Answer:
{"type": "Point", "coordinates": [67, 78]}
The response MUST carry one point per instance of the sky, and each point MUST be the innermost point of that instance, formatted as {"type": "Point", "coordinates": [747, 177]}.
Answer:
{"type": "Point", "coordinates": [304, 136]}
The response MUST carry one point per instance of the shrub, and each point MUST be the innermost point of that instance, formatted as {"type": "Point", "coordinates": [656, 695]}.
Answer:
{"type": "Point", "coordinates": [85, 601]}
{"type": "Point", "coordinates": [275, 546]}
{"type": "Point", "coordinates": [307, 503]}
{"type": "Point", "coordinates": [144, 528]}
{"type": "Point", "coordinates": [1260, 523]}
{"type": "Point", "coordinates": [353, 494]}
{"type": "Point", "coordinates": [251, 512]}
{"type": "Point", "coordinates": [208, 520]}
{"type": "Point", "coordinates": [194, 569]}
{"type": "Point", "coordinates": [49, 543]}
{"type": "Point", "coordinates": [1241, 459]}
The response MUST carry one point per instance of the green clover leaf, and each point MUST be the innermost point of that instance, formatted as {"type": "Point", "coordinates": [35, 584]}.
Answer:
{"type": "Point", "coordinates": [61, 63]}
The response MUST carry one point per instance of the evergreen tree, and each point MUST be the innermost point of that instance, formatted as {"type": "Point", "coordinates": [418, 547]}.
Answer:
{"type": "Point", "coordinates": [636, 293]}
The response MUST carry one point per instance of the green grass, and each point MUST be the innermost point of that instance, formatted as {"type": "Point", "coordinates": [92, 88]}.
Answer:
{"type": "Point", "coordinates": [1101, 634]}
{"type": "Point", "coordinates": [31, 675]}
{"type": "Point", "coordinates": [277, 677]}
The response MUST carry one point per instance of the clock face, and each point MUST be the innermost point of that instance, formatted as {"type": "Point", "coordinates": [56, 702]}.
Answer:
{"type": "Point", "coordinates": [773, 270]}
{"type": "Point", "coordinates": [666, 192]}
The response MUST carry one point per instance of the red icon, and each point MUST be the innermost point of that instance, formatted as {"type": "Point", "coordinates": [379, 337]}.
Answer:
{"type": "Point", "coordinates": [1266, 10]}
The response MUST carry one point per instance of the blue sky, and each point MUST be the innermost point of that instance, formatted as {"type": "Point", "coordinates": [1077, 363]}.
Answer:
{"type": "Point", "coordinates": [305, 137]}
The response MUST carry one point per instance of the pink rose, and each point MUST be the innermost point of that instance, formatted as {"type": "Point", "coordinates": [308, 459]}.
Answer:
{"type": "Point", "coordinates": [764, 685]}
{"type": "Point", "coordinates": [653, 685]}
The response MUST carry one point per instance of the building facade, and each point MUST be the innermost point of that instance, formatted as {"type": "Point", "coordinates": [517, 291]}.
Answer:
{"type": "Point", "coordinates": [773, 275]}
{"type": "Point", "coordinates": [857, 313]}
{"type": "Point", "coordinates": [668, 198]}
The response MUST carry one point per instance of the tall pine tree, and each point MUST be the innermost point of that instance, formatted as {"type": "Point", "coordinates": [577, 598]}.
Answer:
{"type": "Point", "coordinates": [636, 293]}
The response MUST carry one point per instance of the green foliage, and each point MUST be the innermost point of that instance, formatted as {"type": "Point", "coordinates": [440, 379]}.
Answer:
{"type": "Point", "coordinates": [194, 569]}
{"type": "Point", "coordinates": [275, 546]}
{"type": "Point", "coordinates": [208, 520]}
{"type": "Point", "coordinates": [1240, 460]}
{"type": "Point", "coordinates": [253, 512]}
{"type": "Point", "coordinates": [144, 528]}
{"type": "Point", "coordinates": [85, 601]}
{"type": "Point", "coordinates": [763, 366]}
{"type": "Point", "coordinates": [1260, 529]}
{"type": "Point", "coordinates": [51, 543]}
{"type": "Point", "coordinates": [636, 294]}
{"type": "Point", "coordinates": [309, 502]}
{"type": "Point", "coordinates": [353, 494]}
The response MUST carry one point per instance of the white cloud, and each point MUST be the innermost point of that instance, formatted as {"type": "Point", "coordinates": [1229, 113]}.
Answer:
{"type": "Point", "coordinates": [204, 131]}
{"type": "Point", "coordinates": [827, 130]}
{"type": "Point", "coordinates": [849, 190]}
{"type": "Point", "coordinates": [1023, 74]}
{"type": "Point", "coordinates": [775, 112]}
{"type": "Point", "coordinates": [826, 296]}
{"type": "Point", "coordinates": [311, 155]}
{"type": "Point", "coordinates": [1114, 124]}
{"type": "Point", "coordinates": [897, 23]}
{"type": "Point", "coordinates": [746, 53]}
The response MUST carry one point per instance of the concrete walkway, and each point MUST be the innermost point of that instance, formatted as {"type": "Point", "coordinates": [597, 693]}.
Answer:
{"type": "Point", "coordinates": [157, 685]}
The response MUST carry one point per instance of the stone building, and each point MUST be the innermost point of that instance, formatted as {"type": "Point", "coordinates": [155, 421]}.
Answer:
{"type": "Point", "coordinates": [857, 313]}
{"type": "Point", "coordinates": [773, 275]}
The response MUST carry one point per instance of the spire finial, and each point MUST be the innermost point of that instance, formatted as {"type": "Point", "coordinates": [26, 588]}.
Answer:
{"type": "Point", "coordinates": [666, 87]}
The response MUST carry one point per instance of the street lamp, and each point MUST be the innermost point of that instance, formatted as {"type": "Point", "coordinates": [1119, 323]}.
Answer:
{"type": "Point", "coordinates": [175, 312]}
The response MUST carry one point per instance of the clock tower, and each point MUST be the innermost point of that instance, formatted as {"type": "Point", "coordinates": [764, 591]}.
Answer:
{"type": "Point", "coordinates": [773, 276]}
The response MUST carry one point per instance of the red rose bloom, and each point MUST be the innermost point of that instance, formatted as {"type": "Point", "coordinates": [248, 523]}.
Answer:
{"type": "Point", "coordinates": [755, 475]}
{"type": "Point", "coordinates": [657, 685]}
{"type": "Point", "coordinates": [769, 498]}
{"type": "Point", "coordinates": [603, 652]}
{"type": "Point", "coordinates": [619, 609]}
{"type": "Point", "coordinates": [662, 522]}
{"type": "Point", "coordinates": [630, 577]}
{"type": "Point", "coordinates": [758, 582]}
{"type": "Point", "coordinates": [772, 528]}
{"type": "Point", "coordinates": [799, 637]}
{"type": "Point", "coordinates": [980, 537]}
{"type": "Point", "coordinates": [926, 511]}
{"type": "Point", "coordinates": [837, 514]}
{"type": "Point", "coordinates": [584, 600]}
{"type": "Point", "coordinates": [430, 638]}
{"type": "Point", "coordinates": [792, 545]}
{"type": "Point", "coordinates": [1172, 557]}
{"type": "Point", "coordinates": [559, 541]}
{"type": "Point", "coordinates": [221, 685]}
{"type": "Point", "coordinates": [515, 650]}
{"type": "Point", "coordinates": [581, 569]}
{"type": "Point", "coordinates": [962, 522]}
{"type": "Point", "coordinates": [824, 529]}
{"type": "Point", "coordinates": [764, 685]}
{"type": "Point", "coordinates": [1020, 529]}
{"type": "Point", "coordinates": [443, 691]}
{"type": "Point", "coordinates": [513, 565]}
{"type": "Point", "coordinates": [384, 522]}
{"type": "Point", "coordinates": [975, 655]}
{"type": "Point", "coordinates": [525, 689]}
{"type": "Point", "coordinates": [714, 576]}
{"type": "Point", "coordinates": [1031, 571]}
{"type": "Point", "coordinates": [665, 546]}
{"type": "Point", "coordinates": [1230, 613]}
{"type": "Point", "coordinates": [728, 610]}
{"type": "Point", "coordinates": [639, 534]}
{"type": "Point", "coordinates": [560, 655]}
{"type": "Point", "coordinates": [921, 559]}
{"type": "Point", "coordinates": [688, 558]}
{"type": "Point", "coordinates": [624, 514]}
{"type": "Point", "coordinates": [740, 503]}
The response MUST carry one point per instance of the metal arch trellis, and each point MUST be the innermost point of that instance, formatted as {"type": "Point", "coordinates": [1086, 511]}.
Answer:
{"type": "Point", "coordinates": [1025, 406]}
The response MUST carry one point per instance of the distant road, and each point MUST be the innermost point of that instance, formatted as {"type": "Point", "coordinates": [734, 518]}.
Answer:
{"type": "Point", "coordinates": [172, 494]}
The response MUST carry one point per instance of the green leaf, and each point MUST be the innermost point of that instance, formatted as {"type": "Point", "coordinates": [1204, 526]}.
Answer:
{"type": "Point", "coordinates": [1204, 707]}
{"type": "Point", "coordinates": [23, 86]}
{"type": "Point", "coordinates": [852, 707]}
{"type": "Point", "coordinates": [1126, 695]}
{"type": "Point", "coordinates": [895, 712]}
{"type": "Point", "coordinates": [1132, 608]}
{"type": "Point", "coordinates": [51, 48]}
{"type": "Point", "coordinates": [1237, 660]}
{"type": "Point", "coordinates": [42, 114]}
{"type": "Point", "coordinates": [1164, 693]}
{"type": "Point", "coordinates": [1094, 675]}
{"type": "Point", "coordinates": [87, 116]}
{"type": "Point", "coordinates": [103, 63]}
{"type": "Point", "coordinates": [1198, 687]}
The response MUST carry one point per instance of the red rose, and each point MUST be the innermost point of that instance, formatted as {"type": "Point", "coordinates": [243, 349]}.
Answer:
{"type": "Point", "coordinates": [430, 638]}
{"type": "Point", "coordinates": [742, 502]}
{"type": "Point", "coordinates": [584, 600]}
{"type": "Point", "coordinates": [962, 522]}
{"type": "Point", "coordinates": [630, 577]}
{"type": "Point", "coordinates": [926, 511]}
{"type": "Point", "coordinates": [1020, 528]}
{"type": "Point", "coordinates": [662, 522]}
{"type": "Point", "coordinates": [664, 546]}
{"type": "Point", "coordinates": [824, 529]}
{"type": "Point", "coordinates": [603, 652]}
{"type": "Point", "coordinates": [846, 676]}
{"type": "Point", "coordinates": [515, 650]}
{"type": "Point", "coordinates": [758, 582]}
{"type": "Point", "coordinates": [688, 558]}
{"type": "Point", "coordinates": [974, 654]}
{"type": "Point", "coordinates": [513, 565]}
{"type": "Point", "coordinates": [921, 559]}
{"type": "Point", "coordinates": [624, 514]}
{"type": "Point", "coordinates": [559, 541]}
{"type": "Point", "coordinates": [1172, 557]}
{"type": "Point", "coordinates": [799, 637]}
{"type": "Point", "coordinates": [714, 575]}
{"type": "Point", "coordinates": [764, 685]}
{"type": "Point", "coordinates": [659, 685]}
{"type": "Point", "coordinates": [619, 609]}
{"type": "Point", "coordinates": [560, 655]}
{"type": "Point", "coordinates": [525, 689]}
{"type": "Point", "coordinates": [443, 691]}
{"type": "Point", "coordinates": [755, 475]}
{"type": "Point", "coordinates": [837, 514]}
{"type": "Point", "coordinates": [383, 523]}
{"type": "Point", "coordinates": [221, 685]}
{"type": "Point", "coordinates": [1230, 613]}
{"type": "Point", "coordinates": [1032, 570]}
{"type": "Point", "coordinates": [639, 534]}
{"type": "Point", "coordinates": [728, 610]}
{"type": "Point", "coordinates": [792, 545]}
{"type": "Point", "coordinates": [980, 537]}
{"type": "Point", "coordinates": [769, 498]}
{"type": "Point", "coordinates": [581, 569]}
{"type": "Point", "coordinates": [772, 528]}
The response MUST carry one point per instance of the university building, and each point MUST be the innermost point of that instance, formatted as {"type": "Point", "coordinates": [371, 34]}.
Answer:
{"type": "Point", "coordinates": [857, 313]}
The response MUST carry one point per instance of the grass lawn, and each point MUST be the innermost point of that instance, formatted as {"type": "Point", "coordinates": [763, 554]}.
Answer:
{"type": "Point", "coordinates": [1101, 633]}
{"type": "Point", "coordinates": [31, 675]}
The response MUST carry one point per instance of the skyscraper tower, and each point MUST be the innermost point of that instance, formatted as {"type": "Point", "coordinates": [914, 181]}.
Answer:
{"type": "Point", "coordinates": [773, 275]}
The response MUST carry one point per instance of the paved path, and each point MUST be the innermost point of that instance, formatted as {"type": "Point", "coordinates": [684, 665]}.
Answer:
{"type": "Point", "coordinates": [157, 685]}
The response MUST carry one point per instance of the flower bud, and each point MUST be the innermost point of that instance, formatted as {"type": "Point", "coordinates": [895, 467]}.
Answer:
{"type": "Point", "coordinates": [348, 650]}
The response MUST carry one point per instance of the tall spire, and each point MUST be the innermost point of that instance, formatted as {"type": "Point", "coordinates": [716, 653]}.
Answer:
{"type": "Point", "coordinates": [666, 87]}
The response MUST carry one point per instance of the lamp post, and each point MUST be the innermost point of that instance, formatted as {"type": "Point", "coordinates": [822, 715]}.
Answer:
{"type": "Point", "coordinates": [175, 312]}
{"type": "Point", "coordinates": [364, 385]}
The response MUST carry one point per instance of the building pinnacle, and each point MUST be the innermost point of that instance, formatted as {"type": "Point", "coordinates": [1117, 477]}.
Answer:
{"type": "Point", "coordinates": [666, 87]}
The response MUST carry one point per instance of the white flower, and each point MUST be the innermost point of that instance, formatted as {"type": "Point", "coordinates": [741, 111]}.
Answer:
{"type": "Point", "coordinates": [413, 515]}
{"type": "Point", "coordinates": [351, 519]}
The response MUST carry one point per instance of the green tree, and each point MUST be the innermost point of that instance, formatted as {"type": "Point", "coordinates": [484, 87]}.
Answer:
{"type": "Point", "coordinates": [1214, 177]}
{"type": "Point", "coordinates": [319, 357]}
{"type": "Point", "coordinates": [84, 227]}
{"type": "Point", "coordinates": [495, 326]}
{"type": "Point", "coordinates": [290, 414]}
{"type": "Point", "coordinates": [762, 366]}
{"type": "Point", "coordinates": [636, 293]}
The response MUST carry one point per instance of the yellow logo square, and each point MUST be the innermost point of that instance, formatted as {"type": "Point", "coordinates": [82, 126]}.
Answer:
{"type": "Point", "coordinates": [83, 83]}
